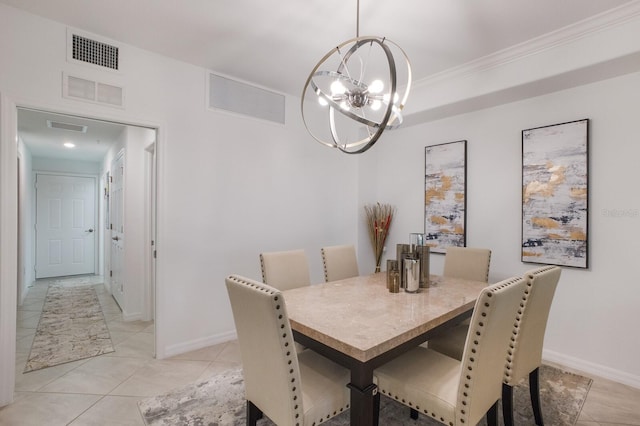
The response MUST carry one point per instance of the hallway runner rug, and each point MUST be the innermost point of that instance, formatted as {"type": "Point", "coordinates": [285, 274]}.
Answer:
{"type": "Point", "coordinates": [71, 327]}
{"type": "Point", "coordinates": [220, 401]}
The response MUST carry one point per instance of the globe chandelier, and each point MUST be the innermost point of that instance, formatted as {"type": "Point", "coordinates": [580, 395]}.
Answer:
{"type": "Point", "coordinates": [356, 91]}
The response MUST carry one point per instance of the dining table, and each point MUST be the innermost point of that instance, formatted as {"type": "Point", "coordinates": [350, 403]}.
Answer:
{"type": "Point", "coordinates": [359, 324]}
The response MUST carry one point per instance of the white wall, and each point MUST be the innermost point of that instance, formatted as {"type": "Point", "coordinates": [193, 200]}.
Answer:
{"type": "Point", "coordinates": [26, 231]}
{"type": "Point", "coordinates": [136, 140]}
{"type": "Point", "coordinates": [59, 165]}
{"type": "Point", "coordinates": [591, 325]}
{"type": "Point", "coordinates": [229, 187]}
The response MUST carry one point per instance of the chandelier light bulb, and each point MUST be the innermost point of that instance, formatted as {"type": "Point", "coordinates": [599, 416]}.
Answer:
{"type": "Point", "coordinates": [337, 88]}
{"type": "Point", "coordinates": [376, 86]}
{"type": "Point", "coordinates": [322, 101]}
{"type": "Point", "coordinates": [375, 105]}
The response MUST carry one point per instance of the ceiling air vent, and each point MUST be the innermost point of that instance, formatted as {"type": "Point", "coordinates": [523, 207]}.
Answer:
{"type": "Point", "coordinates": [92, 91]}
{"type": "Point", "coordinates": [241, 98]}
{"type": "Point", "coordinates": [66, 126]}
{"type": "Point", "coordinates": [94, 52]}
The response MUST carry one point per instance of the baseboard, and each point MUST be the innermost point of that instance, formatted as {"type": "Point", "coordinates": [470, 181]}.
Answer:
{"type": "Point", "coordinates": [196, 344]}
{"type": "Point", "coordinates": [136, 316]}
{"type": "Point", "coordinates": [592, 368]}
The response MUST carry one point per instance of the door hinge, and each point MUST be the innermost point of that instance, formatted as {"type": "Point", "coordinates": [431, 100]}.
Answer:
{"type": "Point", "coordinates": [155, 254]}
{"type": "Point", "coordinates": [111, 273]}
{"type": "Point", "coordinates": [111, 226]}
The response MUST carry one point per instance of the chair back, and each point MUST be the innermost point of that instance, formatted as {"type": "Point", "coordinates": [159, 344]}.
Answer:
{"type": "Point", "coordinates": [339, 262]}
{"type": "Point", "coordinates": [285, 270]}
{"type": "Point", "coordinates": [525, 352]}
{"type": "Point", "coordinates": [467, 263]}
{"type": "Point", "coordinates": [269, 362]}
{"type": "Point", "coordinates": [482, 367]}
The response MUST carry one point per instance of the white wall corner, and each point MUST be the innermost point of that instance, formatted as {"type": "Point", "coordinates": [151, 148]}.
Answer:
{"type": "Point", "coordinates": [592, 368]}
{"type": "Point", "coordinates": [590, 46]}
{"type": "Point", "coordinates": [196, 344]}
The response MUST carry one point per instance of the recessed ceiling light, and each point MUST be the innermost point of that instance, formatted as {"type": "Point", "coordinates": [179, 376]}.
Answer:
{"type": "Point", "coordinates": [69, 145]}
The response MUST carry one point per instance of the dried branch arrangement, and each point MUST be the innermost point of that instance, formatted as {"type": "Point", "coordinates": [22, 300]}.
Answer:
{"type": "Point", "coordinates": [379, 217]}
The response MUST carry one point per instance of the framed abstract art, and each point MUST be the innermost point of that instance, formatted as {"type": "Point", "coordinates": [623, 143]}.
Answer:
{"type": "Point", "coordinates": [555, 194]}
{"type": "Point", "coordinates": [445, 202]}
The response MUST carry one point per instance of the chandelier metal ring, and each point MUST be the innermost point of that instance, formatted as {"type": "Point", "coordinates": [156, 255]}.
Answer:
{"type": "Point", "coordinates": [355, 103]}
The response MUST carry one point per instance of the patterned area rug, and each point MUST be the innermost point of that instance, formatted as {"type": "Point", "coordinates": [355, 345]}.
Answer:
{"type": "Point", "coordinates": [220, 401]}
{"type": "Point", "coordinates": [71, 327]}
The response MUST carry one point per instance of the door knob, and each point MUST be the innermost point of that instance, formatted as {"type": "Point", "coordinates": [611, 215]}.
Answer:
{"type": "Point", "coordinates": [89, 230]}
{"type": "Point", "coordinates": [115, 238]}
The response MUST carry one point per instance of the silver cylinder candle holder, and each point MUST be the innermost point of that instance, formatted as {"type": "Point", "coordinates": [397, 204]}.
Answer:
{"type": "Point", "coordinates": [423, 255]}
{"type": "Point", "coordinates": [402, 251]}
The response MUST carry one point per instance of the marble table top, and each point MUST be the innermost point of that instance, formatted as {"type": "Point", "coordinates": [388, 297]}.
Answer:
{"type": "Point", "coordinates": [361, 318]}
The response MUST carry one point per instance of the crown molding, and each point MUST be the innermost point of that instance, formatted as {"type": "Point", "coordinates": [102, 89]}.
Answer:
{"type": "Point", "coordinates": [564, 36]}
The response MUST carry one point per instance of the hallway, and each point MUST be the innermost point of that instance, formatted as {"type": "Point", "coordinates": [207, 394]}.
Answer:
{"type": "Point", "coordinates": [102, 390]}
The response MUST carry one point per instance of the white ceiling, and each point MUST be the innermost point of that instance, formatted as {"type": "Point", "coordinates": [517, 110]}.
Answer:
{"type": "Point", "coordinates": [49, 142]}
{"type": "Point", "coordinates": [275, 44]}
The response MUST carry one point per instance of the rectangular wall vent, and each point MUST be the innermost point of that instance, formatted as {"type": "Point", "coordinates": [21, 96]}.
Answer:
{"type": "Point", "coordinates": [66, 126]}
{"type": "Point", "coordinates": [94, 52]}
{"type": "Point", "coordinates": [241, 98]}
{"type": "Point", "coordinates": [92, 91]}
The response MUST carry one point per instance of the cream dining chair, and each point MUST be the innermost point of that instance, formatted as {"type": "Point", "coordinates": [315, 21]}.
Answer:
{"type": "Point", "coordinates": [469, 264]}
{"type": "Point", "coordinates": [285, 270]}
{"type": "Point", "coordinates": [339, 262]}
{"type": "Point", "coordinates": [525, 351]}
{"type": "Point", "coordinates": [459, 393]}
{"type": "Point", "coordinates": [289, 388]}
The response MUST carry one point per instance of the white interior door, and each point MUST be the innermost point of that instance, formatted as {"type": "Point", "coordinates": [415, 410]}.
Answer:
{"type": "Point", "coordinates": [116, 198]}
{"type": "Point", "coordinates": [65, 225]}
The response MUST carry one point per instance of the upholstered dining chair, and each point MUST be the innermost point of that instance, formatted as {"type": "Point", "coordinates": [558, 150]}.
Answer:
{"type": "Point", "coordinates": [289, 388]}
{"type": "Point", "coordinates": [470, 264]}
{"type": "Point", "coordinates": [339, 262]}
{"type": "Point", "coordinates": [460, 393]}
{"type": "Point", "coordinates": [467, 263]}
{"type": "Point", "coordinates": [525, 351]}
{"type": "Point", "coordinates": [285, 270]}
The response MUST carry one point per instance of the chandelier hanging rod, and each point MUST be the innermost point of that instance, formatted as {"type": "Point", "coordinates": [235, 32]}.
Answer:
{"type": "Point", "coordinates": [357, 18]}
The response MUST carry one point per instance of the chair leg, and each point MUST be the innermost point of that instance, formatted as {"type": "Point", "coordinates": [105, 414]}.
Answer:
{"type": "Point", "coordinates": [492, 415]}
{"type": "Point", "coordinates": [414, 414]}
{"type": "Point", "coordinates": [534, 391]}
{"type": "Point", "coordinates": [507, 404]}
{"type": "Point", "coordinates": [253, 414]}
{"type": "Point", "coordinates": [376, 409]}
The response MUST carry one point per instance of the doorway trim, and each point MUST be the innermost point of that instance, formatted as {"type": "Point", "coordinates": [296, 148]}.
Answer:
{"type": "Point", "coordinates": [8, 245]}
{"type": "Point", "coordinates": [9, 221]}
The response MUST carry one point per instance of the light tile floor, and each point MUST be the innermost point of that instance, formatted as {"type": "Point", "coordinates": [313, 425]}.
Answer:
{"type": "Point", "coordinates": [105, 390]}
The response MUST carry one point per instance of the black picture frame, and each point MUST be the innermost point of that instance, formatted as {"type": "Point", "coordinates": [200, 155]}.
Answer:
{"type": "Point", "coordinates": [445, 196]}
{"type": "Point", "coordinates": [555, 194]}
